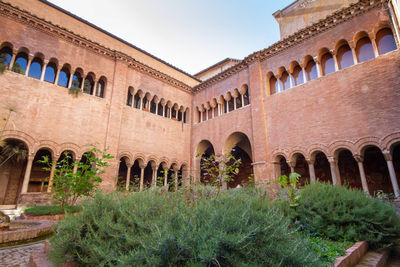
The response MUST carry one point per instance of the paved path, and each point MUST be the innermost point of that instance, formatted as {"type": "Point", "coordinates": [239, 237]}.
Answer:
{"type": "Point", "coordinates": [12, 257]}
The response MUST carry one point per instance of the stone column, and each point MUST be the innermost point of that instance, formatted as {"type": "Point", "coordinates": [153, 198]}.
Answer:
{"type": "Point", "coordinates": [336, 62]}
{"type": "Point", "coordinates": [176, 178]}
{"type": "Point", "coordinates": [71, 77]}
{"type": "Point", "coordinates": [57, 74]}
{"type": "Point", "coordinates": [234, 103]}
{"type": "Point", "coordinates": [154, 179]}
{"type": "Point", "coordinates": [364, 183]}
{"type": "Point", "coordinates": [206, 114]}
{"type": "Point", "coordinates": [389, 162]}
{"type": "Point", "coordinates": [319, 67]}
{"type": "Point", "coordinates": [82, 84]}
{"type": "Point", "coordinates": [311, 170]}
{"type": "Point", "coordinates": [43, 70]}
{"type": "Point", "coordinates": [292, 165]}
{"type": "Point", "coordinates": [28, 65]}
{"type": "Point", "coordinates": [141, 166]}
{"type": "Point", "coordinates": [304, 74]}
{"type": "Point", "coordinates": [27, 174]}
{"type": "Point", "coordinates": [14, 56]}
{"type": "Point", "coordinates": [290, 80]}
{"type": "Point", "coordinates": [242, 96]}
{"type": "Point", "coordinates": [53, 168]}
{"type": "Point", "coordinates": [165, 168]}
{"type": "Point", "coordinates": [156, 108]}
{"type": "Point", "coordinates": [335, 176]}
{"type": "Point", "coordinates": [279, 84]}
{"type": "Point", "coordinates": [353, 51]}
{"type": "Point", "coordinates": [128, 176]}
{"type": "Point", "coordinates": [76, 165]}
{"type": "Point", "coordinates": [375, 47]}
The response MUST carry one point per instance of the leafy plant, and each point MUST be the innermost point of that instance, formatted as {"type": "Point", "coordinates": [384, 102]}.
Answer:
{"type": "Point", "coordinates": [3, 60]}
{"type": "Point", "coordinates": [220, 168]}
{"type": "Point", "coordinates": [155, 228]}
{"type": "Point", "coordinates": [74, 91]}
{"type": "Point", "coordinates": [17, 68]}
{"type": "Point", "coordinates": [290, 184]}
{"type": "Point", "coordinates": [69, 185]}
{"type": "Point", "coordinates": [340, 213]}
{"type": "Point", "coordinates": [49, 210]}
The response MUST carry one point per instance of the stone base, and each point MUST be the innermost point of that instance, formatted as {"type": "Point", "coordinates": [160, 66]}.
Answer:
{"type": "Point", "coordinates": [34, 199]}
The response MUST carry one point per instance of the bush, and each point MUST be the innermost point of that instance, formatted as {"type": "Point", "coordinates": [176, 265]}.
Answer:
{"type": "Point", "coordinates": [49, 210]}
{"type": "Point", "coordinates": [339, 213]}
{"type": "Point", "coordinates": [153, 228]}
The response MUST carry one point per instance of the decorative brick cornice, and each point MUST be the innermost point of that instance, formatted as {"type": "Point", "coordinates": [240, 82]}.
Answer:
{"type": "Point", "coordinates": [323, 25]}
{"type": "Point", "coordinates": [27, 18]}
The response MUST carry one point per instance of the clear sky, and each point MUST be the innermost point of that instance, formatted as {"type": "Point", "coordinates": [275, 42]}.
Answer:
{"type": "Point", "coordinates": [189, 34]}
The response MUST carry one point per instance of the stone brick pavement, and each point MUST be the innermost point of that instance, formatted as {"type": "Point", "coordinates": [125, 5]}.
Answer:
{"type": "Point", "coordinates": [19, 256]}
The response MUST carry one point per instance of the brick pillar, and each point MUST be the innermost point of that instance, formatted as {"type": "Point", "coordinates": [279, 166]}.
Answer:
{"type": "Point", "coordinates": [27, 174]}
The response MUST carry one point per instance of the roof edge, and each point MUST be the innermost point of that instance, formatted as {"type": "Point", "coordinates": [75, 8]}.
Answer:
{"type": "Point", "coordinates": [216, 64]}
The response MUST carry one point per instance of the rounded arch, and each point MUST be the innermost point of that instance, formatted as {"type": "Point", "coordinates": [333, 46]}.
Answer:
{"type": "Point", "coordinates": [336, 147]}
{"type": "Point", "coordinates": [292, 65]}
{"type": "Point", "coordinates": [140, 158]}
{"type": "Point", "coordinates": [364, 142]}
{"type": "Point", "coordinates": [7, 44]}
{"type": "Point", "coordinates": [237, 139]}
{"type": "Point", "coordinates": [296, 153]}
{"type": "Point", "coordinates": [152, 158]}
{"type": "Point", "coordinates": [127, 155]}
{"type": "Point", "coordinates": [48, 145]}
{"type": "Point", "coordinates": [28, 140]}
{"type": "Point", "coordinates": [75, 149]}
{"type": "Point", "coordinates": [314, 149]}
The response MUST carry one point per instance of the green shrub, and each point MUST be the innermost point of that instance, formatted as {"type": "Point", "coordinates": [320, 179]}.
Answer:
{"type": "Point", "coordinates": [154, 228]}
{"type": "Point", "coordinates": [49, 210]}
{"type": "Point", "coordinates": [339, 213]}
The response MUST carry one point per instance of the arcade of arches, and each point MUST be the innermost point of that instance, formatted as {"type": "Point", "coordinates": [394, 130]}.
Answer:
{"type": "Point", "coordinates": [238, 145]}
{"type": "Point", "coordinates": [373, 171]}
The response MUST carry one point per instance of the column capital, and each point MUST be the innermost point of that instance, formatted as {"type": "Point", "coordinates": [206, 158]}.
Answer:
{"type": "Point", "coordinates": [332, 160]}
{"type": "Point", "coordinates": [387, 155]}
{"type": "Point", "coordinates": [358, 158]}
{"type": "Point", "coordinates": [129, 165]}
{"type": "Point", "coordinates": [291, 164]}
{"type": "Point", "coordinates": [316, 59]}
{"type": "Point", "coordinates": [310, 161]}
{"type": "Point", "coordinates": [142, 165]}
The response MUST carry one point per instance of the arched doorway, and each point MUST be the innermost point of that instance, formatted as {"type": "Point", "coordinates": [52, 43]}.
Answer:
{"type": "Point", "coordinates": [204, 151]}
{"type": "Point", "coordinates": [148, 175]}
{"type": "Point", "coordinates": [39, 178]}
{"type": "Point", "coordinates": [13, 159]}
{"type": "Point", "coordinates": [348, 169]}
{"type": "Point", "coordinates": [396, 161]}
{"type": "Point", "coordinates": [282, 167]}
{"type": "Point", "coordinates": [376, 171]}
{"type": "Point", "coordinates": [135, 175]}
{"type": "Point", "coordinates": [162, 171]}
{"type": "Point", "coordinates": [322, 167]}
{"type": "Point", "coordinates": [238, 144]}
{"type": "Point", "coordinates": [122, 174]}
{"type": "Point", "coordinates": [301, 168]}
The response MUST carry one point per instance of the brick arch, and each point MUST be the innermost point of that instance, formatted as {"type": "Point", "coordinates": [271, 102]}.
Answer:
{"type": "Point", "coordinates": [126, 154]}
{"type": "Point", "coordinates": [49, 145]}
{"type": "Point", "coordinates": [297, 150]}
{"type": "Point", "coordinates": [361, 34]}
{"type": "Point", "coordinates": [24, 137]}
{"type": "Point", "coordinates": [184, 164]}
{"type": "Point", "coordinates": [313, 149]}
{"type": "Point", "coordinates": [364, 142]}
{"type": "Point", "coordinates": [339, 44]}
{"type": "Point", "coordinates": [75, 149]}
{"type": "Point", "coordinates": [152, 158]}
{"type": "Point", "coordinates": [7, 44]}
{"type": "Point", "coordinates": [380, 26]}
{"type": "Point", "coordinates": [335, 147]}
{"type": "Point", "coordinates": [164, 160]}
{"type": "Point", "coordinates": [140, 157]}
{"type": "Point", "coordinates": [390, 140]}
{"type": "Point", "coordinates": [174, 161]}
{"type": "Point", "coordinates": [279, 153]}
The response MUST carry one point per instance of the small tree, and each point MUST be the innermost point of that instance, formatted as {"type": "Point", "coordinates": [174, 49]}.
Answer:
{"type": "Point", "coordinates": [77, 179]}
{"type": "Point", "coordinates": [221, 168]}
{"type": "Point", "coordinates": [290, 184]}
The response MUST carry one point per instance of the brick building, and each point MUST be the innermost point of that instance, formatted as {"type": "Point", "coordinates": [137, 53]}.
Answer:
{"type": "Point", "coordinates": [324, 101]}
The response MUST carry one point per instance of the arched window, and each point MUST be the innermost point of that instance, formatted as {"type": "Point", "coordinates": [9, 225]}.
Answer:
{"type": "Point", "coordinates": [364, 50]}
{"type": "Point", "coordinates": [345, 57]}
{"type": "Point", "coordinates": [173, 110]}
{"type": "Point", "coordinates": [35, 70]}
{"type": "Point", "coordinates": [179, 115]}
{"type": "Point", "coordinates": [216, 111]}
{"type": "Point", "coordinates": [285, 81]}
{"type": "Point", "coordinates": [21, 63]}
{"type": "Point", "coordinates": [76, 80]}
{"type": "Point", "coordinates": [385, 41]}
{"type": "Point", "coordinates": [153, 106]}
{"type": "Point", "coordinates": [88, 86]}
{"type": "Point", "coordinates": [136, 101]}
{"type": "Point", "coordinates": [50, 72]}
{"type": "Point", "coordinates": [160, 109]}
{"type": "Point", "coordinates": [246, 98]}
{"type": "Point", "coordinates": [225, 108]}
{"type": "Point", "coordinates": [298, 75]}
{"type": "Point", "coordinates": [186, 116]}
{"type": "Point", "coordinates": [328, 64]}
{"type": "Point", "coordinates": [198, 115]}
{"type": "Point", "coordinates": [5, 56]}
{"type": "Point", "coordinates": [204, 113]}
{"type": "Point", "coordinates": [238, 101]}
{"type": "Point", "coordinates": [311, 70]}
{"type": "Point", "coordinates": [129, 98]}
{"type": "Point", "coordinates": [231, 105]}
{"type": "Point", "coordinates": [273, 85]}
{"type": "Point", "coordinates": [63, 78]}
{"type": "Point", "coordinates": [100, 88]}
